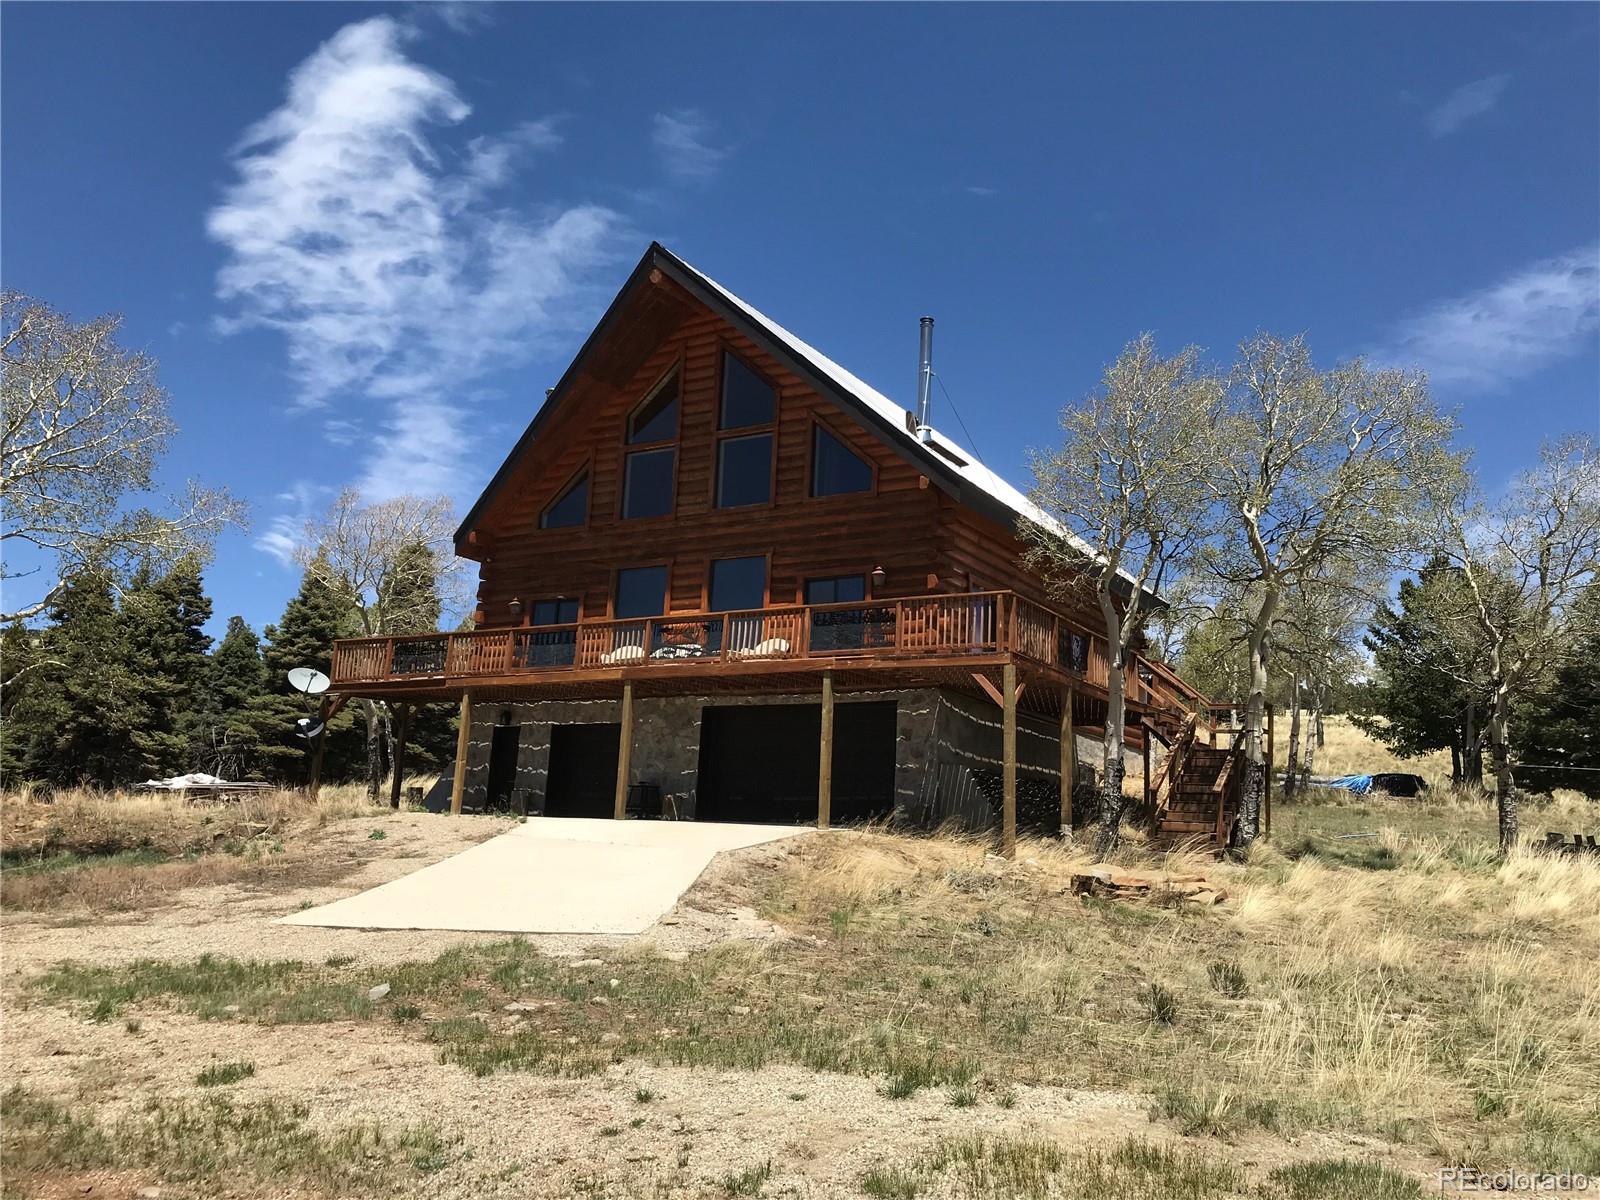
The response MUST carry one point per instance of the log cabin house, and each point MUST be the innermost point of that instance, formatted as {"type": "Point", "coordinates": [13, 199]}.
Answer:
{"type": "Point", "coordinates": [722, 578]}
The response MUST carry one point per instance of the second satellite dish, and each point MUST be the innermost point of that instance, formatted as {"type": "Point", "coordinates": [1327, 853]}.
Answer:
{"type": "Point", "coordinates": [306, 679]}
{"type": "Point", "coordinates": [306, 728]}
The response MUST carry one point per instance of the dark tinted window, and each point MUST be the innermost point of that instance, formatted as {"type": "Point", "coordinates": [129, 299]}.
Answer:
{"type": "Point", "coordinates": [747, 399]}
{"type": "Point", "coordinates": [570, 509]}
{"type": "Point", "coordinates": [656, 420]}
{"type": "Point", "coordinates": [837, 589]}
{"type": "Point", "coordinates": [738, 583]}
{"type": "Point", "coordinates": [836, 470]}
{"type": "Point", "coordinates": [641, 592]}
{"type": "Point", "coordinates": [555, 612]}
{"type": "Point", "coordinates": [744, 471]}
{"type": "Point", "coordinates": [647, 483]}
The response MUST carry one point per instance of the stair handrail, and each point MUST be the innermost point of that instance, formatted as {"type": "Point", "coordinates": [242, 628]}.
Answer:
{"type": "Point", "coordinates": [1171, 772]}
{"type": "Point", "coordinates": [1225, 786]}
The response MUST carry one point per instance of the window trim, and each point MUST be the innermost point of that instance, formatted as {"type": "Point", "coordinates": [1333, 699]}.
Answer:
{"type": "Point", "coordinates": [844, 440]}
{"type": "Point", "coordinates": [766, 587]}
{"type": "Point", "coordinates": [719, 435]}
{"type": "Point", "coordinates": [560, 494]}
{"type": "Point", "coordinates": [666, 591]}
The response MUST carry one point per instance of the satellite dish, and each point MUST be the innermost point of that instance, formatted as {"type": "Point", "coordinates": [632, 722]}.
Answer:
{"type": "Point", "coordinates": [306, 728]}
{"type": "Point", "coordinates": [309, 681]}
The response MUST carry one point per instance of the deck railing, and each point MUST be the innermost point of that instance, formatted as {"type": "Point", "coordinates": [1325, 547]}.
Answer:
{"type": "Point", "coordinates": [911, 627]}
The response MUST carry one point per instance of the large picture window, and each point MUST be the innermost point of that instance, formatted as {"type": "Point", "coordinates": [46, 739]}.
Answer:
{"type": "Point", "coordinates": [744, 470]}
{"type": "Point", "coordinates": [647, 483]}
{"type": "Point", "coordinates": [837, 470]}
{"type": "Point", "coordinates": [648, 474]}
{"type": "Point", "coordinates": [641, 592]}
{"type": "Point", "coordinates": [738, 583]}
{"type": "Point", "coordinates": [570, 508]}
{"type": "Point", "coordinates": [656, 419]}
{"type": "Point", "coordinates": [747, 399]}
{"type": "Point", "coordinates": [746, 417]}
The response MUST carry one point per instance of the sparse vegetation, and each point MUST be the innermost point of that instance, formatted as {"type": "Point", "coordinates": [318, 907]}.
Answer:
{"type": "Point", "coordinates": [219, 1074]}
{"type": "Point", "coordinates": [213, 1141]}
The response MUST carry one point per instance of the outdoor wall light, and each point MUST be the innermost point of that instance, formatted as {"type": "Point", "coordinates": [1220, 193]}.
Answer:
{"type": "Point", "coordinates": [879, 577]}
{"type": "Point", "coordinates": [515, 609]}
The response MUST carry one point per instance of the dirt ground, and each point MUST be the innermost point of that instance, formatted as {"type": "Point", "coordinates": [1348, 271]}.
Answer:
{"type": "Point", "coordinates": [637, 1129]}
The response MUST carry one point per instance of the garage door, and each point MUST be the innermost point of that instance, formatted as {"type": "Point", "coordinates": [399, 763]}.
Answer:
{"type": "Point", "coordinates": [758, 762]}
{"type": "Point", "coordinates": [583, 770]}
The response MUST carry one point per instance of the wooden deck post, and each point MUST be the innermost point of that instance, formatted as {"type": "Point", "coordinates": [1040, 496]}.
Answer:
{"type": "Point", "coordinates": [1069, 762]}
{"type": "Point", "coordinates": [1266, 793]}
{"type": "Point", "coordinates": [400, 754]}
{"type": "Point", "coordinates": [619, 808]}
{"type": "Point", "coordinates": [825, 762]}
{"type": "Point", "coordinates": [458, 784]}
{"type": "Point", "coordinates": [1008, 795]}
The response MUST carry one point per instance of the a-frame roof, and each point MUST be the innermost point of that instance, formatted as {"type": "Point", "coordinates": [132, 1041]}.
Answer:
{"type": "Point", "coordinates": [948, 466]}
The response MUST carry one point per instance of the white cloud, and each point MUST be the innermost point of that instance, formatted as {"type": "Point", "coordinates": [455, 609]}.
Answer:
{"type": "Point", "coordinates": [1467, 101]}
{"type": "Point", "coordinates": [1544, 312]}
{"type": "Point", "coordinates": [372, 245]}
{"type": "Point", "coordinates": [282, 536]}
{"type": "Point", "coordinates": [682, 141]}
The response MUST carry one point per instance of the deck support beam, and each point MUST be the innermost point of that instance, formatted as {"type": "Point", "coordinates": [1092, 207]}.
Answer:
{"type": "Point", "coordinates": [1008, 796]}
{"type": "Point", "coordinates": [458, 783]}
{"type": "Point", "coordinates": [825, 760]}
{"type": "Point", "coordinates": [399, 763]}
{"type": "Point", "coordinates": [1069, 762]}
{"type": "Point", "coordinates": [619, 808]}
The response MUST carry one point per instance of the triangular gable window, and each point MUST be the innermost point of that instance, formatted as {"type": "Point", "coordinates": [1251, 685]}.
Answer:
{"type": "Point", "coordinates": [570, 508]}
{"type": "Point", "coordinates": [837, 470]}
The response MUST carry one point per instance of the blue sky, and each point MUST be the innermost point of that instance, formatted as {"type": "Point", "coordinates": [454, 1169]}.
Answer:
{"type": "Point", "coordinates": [362, 240]}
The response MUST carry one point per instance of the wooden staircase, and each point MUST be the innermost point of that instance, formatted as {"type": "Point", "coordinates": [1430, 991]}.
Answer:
{"type": "Point", "coordinates": [1196, 792]}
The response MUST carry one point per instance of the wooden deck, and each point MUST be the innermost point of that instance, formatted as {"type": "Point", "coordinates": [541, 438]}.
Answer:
{"type": "Point", "coordinates": [921, 636]}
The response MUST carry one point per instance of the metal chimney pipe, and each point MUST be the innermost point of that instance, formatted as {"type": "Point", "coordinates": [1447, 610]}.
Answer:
{"type": "Point", "coordinates": [925, 382]}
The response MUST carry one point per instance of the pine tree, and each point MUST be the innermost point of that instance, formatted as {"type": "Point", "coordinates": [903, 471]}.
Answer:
{"type": "Point", "coordinates": [162, 626]}
{"type": "Point", "coordinates": [1560, 732]}
{"type": "Point", "coordinates": [1427, 693]}
{"type": "Point", "coordinates": [20, 660]}
{"type": "Point", "coordinates": [76, 719]}
{"type": "Point", "coordinates": [235, 717]}
{"type": "Point", "coordinates": [304, 637]}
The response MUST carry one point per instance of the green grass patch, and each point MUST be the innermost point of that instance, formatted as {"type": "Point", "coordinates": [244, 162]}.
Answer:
{"type": "Point", "coordinates": [219, 1074]}
{"type": "Point", "coordinates": [214, 1142]}
{"type": "Point", "coordinates": [1342, 1179]}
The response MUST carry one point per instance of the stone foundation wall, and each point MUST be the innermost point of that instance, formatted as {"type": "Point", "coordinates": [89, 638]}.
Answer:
{"type": "Point", "coordinates": [947, 748]}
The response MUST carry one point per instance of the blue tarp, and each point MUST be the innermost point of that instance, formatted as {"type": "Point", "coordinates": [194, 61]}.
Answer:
{"type": "Point", "coordinates": [1359, 784]}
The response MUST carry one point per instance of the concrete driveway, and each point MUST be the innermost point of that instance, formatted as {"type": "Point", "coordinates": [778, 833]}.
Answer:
{"type": "Point", "coordinates": [550, 875]}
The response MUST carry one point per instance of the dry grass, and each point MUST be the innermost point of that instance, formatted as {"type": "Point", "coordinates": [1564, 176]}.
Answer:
{"type": "Point", "coordinates": [115, 851]}
{"type": "Point", "coordinates": [1410, 984]}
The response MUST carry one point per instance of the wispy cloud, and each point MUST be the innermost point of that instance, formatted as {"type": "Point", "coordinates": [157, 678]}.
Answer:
{"type": "Point", "coordinates": [372, 244]}
{"type": "Point", "coordinates": [283, 533]}
{"type": "Point", "coordinates": [458, 16]}
{"type": "Point", "coordinates": [1544, 312]}
{"type": "Point", "coordinates": [978, 189]}
{"type": "Point", "coordinates": [682, 141]}
{"type": "Point", "coordinates": [1467, 101]}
